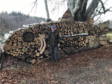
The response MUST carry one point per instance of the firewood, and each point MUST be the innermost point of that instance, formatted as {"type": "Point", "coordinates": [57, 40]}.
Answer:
{"type": "Point", "coordinates": [37, 54]}
{"type": "Point", "coordinates": [31, 43]}
{"type": "Point", "coordinates": [33, 61]}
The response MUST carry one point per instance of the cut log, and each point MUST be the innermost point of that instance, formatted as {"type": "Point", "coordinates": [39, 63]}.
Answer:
{"type": "Point", "coordinates": [37, 54]}
{"type": "Point", "coordinates": [33, 61]}
{"type": "Point", "coordinates": [108, 38]}
{"type": "Point", "coordinates": [103, 43]}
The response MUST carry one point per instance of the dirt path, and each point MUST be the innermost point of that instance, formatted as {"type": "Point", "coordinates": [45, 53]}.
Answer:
{"type": "Point", "coordinates": [88, 67]}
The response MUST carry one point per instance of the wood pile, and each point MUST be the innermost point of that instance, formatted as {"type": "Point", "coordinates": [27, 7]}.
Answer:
{"type": "Point", "coordinates": [103, 38]}
{"type": "Point", "coordinates": [67, 16]}
{"type": "Point", "coordinates": [29, 44]}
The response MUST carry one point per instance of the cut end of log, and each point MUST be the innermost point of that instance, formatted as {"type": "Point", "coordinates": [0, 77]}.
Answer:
{"type": "Point", "coordinates": [33, 61]}
{"type": "Point", "coordinates": [28, 37]}
{"type": "Point", "coordinates": [103, 43]}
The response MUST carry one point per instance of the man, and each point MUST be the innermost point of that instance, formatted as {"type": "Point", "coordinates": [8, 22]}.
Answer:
{"type": "Point", "coordinates": [53, 43]}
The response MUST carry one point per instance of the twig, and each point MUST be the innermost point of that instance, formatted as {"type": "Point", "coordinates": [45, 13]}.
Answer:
{"type": "Point", "coordinates": [35, 4]}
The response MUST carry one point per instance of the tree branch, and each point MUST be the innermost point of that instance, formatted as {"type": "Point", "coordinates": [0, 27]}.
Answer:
{"type": "Point", "coordinates": [83, 8]}
{"type": "Point", "coordinates": [103, 12]}
{"type": "Point", "coordinates": [35, 5]}
{"type": "Point", "coordinates": [77, 7]}
{"type": "Point", "coordinates": [97, 18]}
{"type": "Point", "coordinates": [91, 9]}
{"type": "Point", "coordinates": [57, 5]}
{"type": "Point", "coordinates": [97, 11]}
{"type": "Point", "coordinates": [103, 6]}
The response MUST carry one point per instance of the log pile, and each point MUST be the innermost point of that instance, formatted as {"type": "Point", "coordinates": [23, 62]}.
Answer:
{"type": "Point", "coordinates": [29, 44]}
{"type": "Point", "coordinates": [103, 39]}
{"type": "Point", "coordinates": [67, 16]}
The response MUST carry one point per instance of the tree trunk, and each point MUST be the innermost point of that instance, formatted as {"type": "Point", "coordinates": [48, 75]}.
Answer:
{"type": "Point", "coordinates": [47, 11]}
{"type": "Point", "coordinates": [91, 9]}
{"type": "Point", "coordinates": [79, 9]}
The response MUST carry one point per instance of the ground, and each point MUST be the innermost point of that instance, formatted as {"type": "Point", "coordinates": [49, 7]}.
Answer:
{"type": "Point", "coordinates": [87, 67]}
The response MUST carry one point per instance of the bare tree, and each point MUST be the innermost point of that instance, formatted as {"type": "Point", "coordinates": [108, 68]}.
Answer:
{"type": "Point", "coordinates": [81, 12]}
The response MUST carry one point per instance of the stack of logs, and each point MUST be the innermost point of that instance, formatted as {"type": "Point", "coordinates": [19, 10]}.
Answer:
{"type": "Point", "coordinates": [29, 44]}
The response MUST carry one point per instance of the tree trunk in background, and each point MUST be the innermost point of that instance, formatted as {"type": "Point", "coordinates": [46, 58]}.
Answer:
{"type": "Point", "coordinates": [91, 8]}
{"type": "Point", "coordinates": [79, 9]}
{"type": "Point", "coordinates": [46, 7]}
{"type": "Point", "coordinates": [71, 5]}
